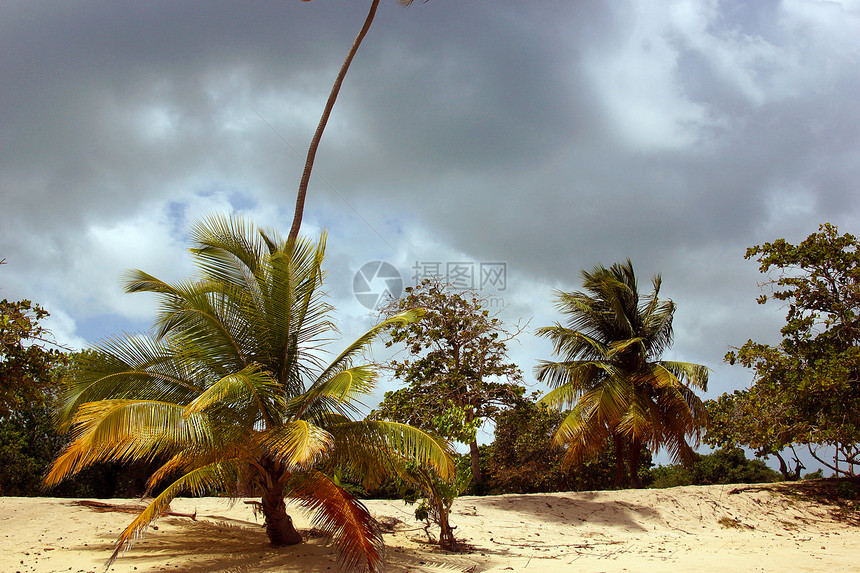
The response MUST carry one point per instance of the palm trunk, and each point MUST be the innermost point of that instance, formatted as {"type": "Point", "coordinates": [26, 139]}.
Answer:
{"type": "Point", "coordinates": [315, 142]}
{"type": "Point", "coordinates": [633, 455]}
{"type": "Point", "coordinates": [279, 525]}
{"type": "Point", "coordinates": [620, 472]}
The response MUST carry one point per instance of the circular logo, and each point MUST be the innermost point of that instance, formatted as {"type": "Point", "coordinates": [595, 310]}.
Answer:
{"type": "Point", "coordinates": [376, 282]}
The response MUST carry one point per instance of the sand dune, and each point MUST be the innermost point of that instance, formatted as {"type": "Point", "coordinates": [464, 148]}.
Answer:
{"type": "Point", "coordinates": [712, 528]}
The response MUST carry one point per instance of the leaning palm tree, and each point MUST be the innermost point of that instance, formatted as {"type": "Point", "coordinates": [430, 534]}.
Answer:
{"type": "Point", "coordinates": [231, 394]}
{"type": "Point", "coordinates": [611, 375]}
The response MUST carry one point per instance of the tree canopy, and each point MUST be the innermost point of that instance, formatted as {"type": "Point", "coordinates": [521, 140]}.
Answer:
{"type": "Point", "coordinates": [806, 389]}
{"type": "Point", "coordinates": [27, 355]}
{"type": "Point", "coordinates": [457, 373]}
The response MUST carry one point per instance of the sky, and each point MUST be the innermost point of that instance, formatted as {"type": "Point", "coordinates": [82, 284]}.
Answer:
{"type": "Point", "coordinates": [534, 138]}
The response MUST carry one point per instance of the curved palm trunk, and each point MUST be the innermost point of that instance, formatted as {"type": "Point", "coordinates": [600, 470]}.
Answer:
{"type": "Point", "coordinates": [279, 525]}
{"type": "Point", "coordinates": [315, 142]}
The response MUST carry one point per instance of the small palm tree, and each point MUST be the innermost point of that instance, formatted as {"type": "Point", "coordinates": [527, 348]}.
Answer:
{"type": "Point", "coordinates": [611, 374]}
{"type": "Point", "coordinates": [232, 394]}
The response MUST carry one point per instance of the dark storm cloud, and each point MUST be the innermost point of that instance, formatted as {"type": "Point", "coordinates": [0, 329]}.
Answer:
{"type": "Point", "coordinates": [552, 135]}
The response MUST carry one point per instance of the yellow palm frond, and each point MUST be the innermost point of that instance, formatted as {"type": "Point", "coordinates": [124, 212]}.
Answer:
{"type": "Point", "coordinates": [367, 446]}
{"type": "Point", "coordinates": [346, 519]}
{"type": "Point", "coordinates": [251, 388]}
{"type": "Point", "coordinates": [126, 430]}
{"type": "Point", "coordinates": [198, 481]}
{"type": "Point", "coordinates": [297, 444]}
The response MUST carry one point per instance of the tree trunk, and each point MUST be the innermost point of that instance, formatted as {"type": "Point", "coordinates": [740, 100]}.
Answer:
{"type": "Point", "coordinates": [279, 525]}
{"type": "Point", "coordinates": [783, 467]}
{"type": "Point", "coordinates": [447, 540]}
{"type": "Point", "coordinates": [477, 476]}
{"type": "Point", "coordinates": [315, 142]}
{"type": "Point", "coordinates": [633, 455]}
{"type": "Point", "coordinates": [620, 473]}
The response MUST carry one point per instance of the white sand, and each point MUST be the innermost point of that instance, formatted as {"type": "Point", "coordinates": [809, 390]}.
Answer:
{"type": "Point", "coordinates": [674, 529]}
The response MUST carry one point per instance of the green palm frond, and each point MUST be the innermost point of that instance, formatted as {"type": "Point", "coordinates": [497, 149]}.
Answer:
{"type": "Point", "coordinates": [362, 342]}
{"type": "Point", "coordinates": [367, 446]}
{"type": "Point", "coordinates": [572, 344]}
{"type": "Point", "coordinates": [135, 367]}
{"type": "Point", "coordinates": [339, 394]}
{"type": "Point", "coordinates": [251, 392]}
{"type": "Point", "coordinates": [227, 249]}
{"type": "Point", "coordinates": [695, 374]}
{"type": "Point", "coordinates": [576, 376]}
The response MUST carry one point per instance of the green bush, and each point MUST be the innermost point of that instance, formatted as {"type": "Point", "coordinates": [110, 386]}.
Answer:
{"type": "Point", "coordinates": [724, 466]}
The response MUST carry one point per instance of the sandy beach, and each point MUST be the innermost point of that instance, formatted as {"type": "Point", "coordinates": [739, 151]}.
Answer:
{"type": "Point", "coordinates": [696, 528]}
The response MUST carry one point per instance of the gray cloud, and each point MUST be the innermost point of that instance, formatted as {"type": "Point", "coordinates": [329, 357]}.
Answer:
{"type": "Point", "coordinates": [553, 136]}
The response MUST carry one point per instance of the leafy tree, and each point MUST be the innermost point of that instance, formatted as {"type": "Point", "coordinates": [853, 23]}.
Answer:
{"type": "Point", "coordinates": [806, 389]}
{"type": "Point", "coordinates": [233, 391]}
{"type": "Point", "coordinates": [523, 458]}
{"type": "Point", "coordinates": [28, 354]}
{"type": "Point", "coordinates": [28, 358]}
{"type": "Point", "coordinates": [724, 466]}
{"type": "Point", "coordinates": [437, 495]}
{"type": "Point", "coordinates": [458, 374]}
{"type": "Point", "coordinates": [746, 417]}
{"type": "Point", "coordinates": [611, 374]}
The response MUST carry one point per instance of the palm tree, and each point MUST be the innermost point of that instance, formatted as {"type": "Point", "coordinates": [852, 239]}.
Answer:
{"type": "Point", "coordinates": [231, 394]}
{"type": "Point", "coordinates": [332, 98]}
{"type": "Point", "coordinates": [611, 374]}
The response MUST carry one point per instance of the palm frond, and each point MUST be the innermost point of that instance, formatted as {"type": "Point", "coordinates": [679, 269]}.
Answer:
{"type": "Point", "coordinates": [198, 482]}
{"type": "Point", "coordinates": [126, 430]}
{"type": "Point", "coordinates": [695, 374]}
{"type": "Point", "coordinates": [297, 444]}
{"type": "Point", "coordinates": [367, 446]}
{"type": "Point", "coordinates": [251, 392]}
{"type": "Point", "coordinates": [361, 343]}
{"type": "Point", "coordinates": [346, 519]}
{"type": "Point", "coordinates": [339, 392]}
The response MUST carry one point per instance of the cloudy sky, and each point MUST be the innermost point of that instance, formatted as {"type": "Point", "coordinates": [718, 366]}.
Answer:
{"type": "Point", "coordinates": [551, 136]}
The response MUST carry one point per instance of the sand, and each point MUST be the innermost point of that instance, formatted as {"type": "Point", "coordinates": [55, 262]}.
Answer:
{"type": "Point", "coordinates": [700, 529]}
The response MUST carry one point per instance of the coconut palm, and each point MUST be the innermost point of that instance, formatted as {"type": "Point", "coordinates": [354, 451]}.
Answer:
{"type": "Point", "coordinates": [231, 393]}
{"type": "Point", "coordinates": [611, 375]}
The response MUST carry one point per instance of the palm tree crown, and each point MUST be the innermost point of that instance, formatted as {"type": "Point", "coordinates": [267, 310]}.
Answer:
{"type": "Point", "coordinates": [231, 393]}
{"type": "Point", "coordinates": [611, 374]}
